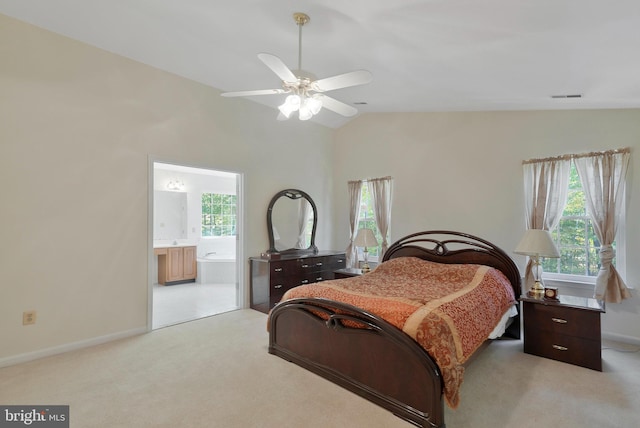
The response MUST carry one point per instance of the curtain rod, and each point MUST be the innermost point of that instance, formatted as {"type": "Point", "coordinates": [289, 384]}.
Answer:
{"type": "Point", "coordinates": [581, 155]}
{"type": "Point", "coordinates": [388, 177]}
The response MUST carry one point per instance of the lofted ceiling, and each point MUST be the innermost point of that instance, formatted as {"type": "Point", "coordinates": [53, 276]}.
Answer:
{"type": "Point", "coordinates": [425, 55]}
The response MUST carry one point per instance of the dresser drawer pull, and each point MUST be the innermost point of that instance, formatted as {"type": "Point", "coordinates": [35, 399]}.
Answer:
{"type": "Point", "coordinates": [319, 278]}
{"type": "Point", "coordinates": [319, 264]}
{"type": "Point", "coordinates": [559, 320]}
{"type": "Point", "coordinates": [560, 348]}
{"type": "Point", "coordinates": [304, 281]}
{"type": "Point", "coordinates": [277, 269]}
{"type": "Point", "coordinates": [277, 286]}
{"type": "Point", "coordinates": [305, 266]}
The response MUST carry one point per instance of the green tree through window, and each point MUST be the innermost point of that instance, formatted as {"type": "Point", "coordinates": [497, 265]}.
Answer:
{"type": "Point", "coordinates": [574, 236]}
{"type": "Point", "coordinates": [367, 220]}
{"type": "Point", "coordinates": [218, 214]}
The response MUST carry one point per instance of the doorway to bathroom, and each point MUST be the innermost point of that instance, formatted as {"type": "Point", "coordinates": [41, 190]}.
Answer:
{"type": "Point", "coordinates": [196, 224]}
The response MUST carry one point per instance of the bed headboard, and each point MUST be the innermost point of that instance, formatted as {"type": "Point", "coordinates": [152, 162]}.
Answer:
{"type": "Point", "coordinates": [445, 246]}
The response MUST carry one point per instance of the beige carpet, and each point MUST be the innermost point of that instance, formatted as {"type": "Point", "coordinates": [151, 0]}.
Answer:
{"type": "Point", "coordinates": [216, 372]}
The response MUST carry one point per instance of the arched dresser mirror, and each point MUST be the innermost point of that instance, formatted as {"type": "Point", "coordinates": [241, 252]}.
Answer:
{"type": "Point", "coordinates": [292, 218]}
{"type": "Point", "coordinates": [293, 258]}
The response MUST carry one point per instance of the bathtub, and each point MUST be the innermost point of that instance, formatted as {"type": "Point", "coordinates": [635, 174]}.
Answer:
{"type": "Point", "coordinates": [216, 269]}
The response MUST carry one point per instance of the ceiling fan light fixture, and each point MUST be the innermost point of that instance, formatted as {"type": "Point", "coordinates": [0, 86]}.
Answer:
{"type": "Point", "coordinates": [305, 113]}
{"type": "Point", "coordinates": [291, 104]}
{"type": "Point", "coordinates": [306, 91]}
{"type": "Point", "coordinates": [314, 103]}
{"type": "Point", "coordinates": [286, 110]}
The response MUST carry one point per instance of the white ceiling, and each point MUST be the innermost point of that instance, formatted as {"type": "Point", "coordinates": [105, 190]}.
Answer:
{"type": "Point", "coordinates": [425, 55]}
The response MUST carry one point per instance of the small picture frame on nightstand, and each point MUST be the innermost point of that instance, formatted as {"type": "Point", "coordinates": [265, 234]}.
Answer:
{"type": "Point", "coordinates": [551, 293]}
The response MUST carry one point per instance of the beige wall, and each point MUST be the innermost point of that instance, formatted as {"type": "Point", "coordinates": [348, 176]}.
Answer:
{"type": "Point", "coordinates": [78, 129]}
{"type": "Point", "coordinates": [462, 171]}
{"type": "Point", "coordinates": [79, 126]}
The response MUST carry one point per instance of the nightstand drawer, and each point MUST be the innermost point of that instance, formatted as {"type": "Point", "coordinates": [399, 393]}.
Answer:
{"type": "Point", "coordinates": [562, 320]}
{"type": "Point", "coordinates": [569, 349]}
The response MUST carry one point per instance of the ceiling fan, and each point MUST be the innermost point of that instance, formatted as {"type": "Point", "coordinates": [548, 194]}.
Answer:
{"type": "Point", "coordinates": [306, 91]}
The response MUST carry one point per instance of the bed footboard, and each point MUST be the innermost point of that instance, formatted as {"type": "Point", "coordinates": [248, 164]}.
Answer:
{"type": "Point", "coordinates": [362, 353]}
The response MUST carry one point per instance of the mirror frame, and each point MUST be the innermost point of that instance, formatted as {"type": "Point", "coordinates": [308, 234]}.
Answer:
{"type": "Point", "coordinates": [292, 194]}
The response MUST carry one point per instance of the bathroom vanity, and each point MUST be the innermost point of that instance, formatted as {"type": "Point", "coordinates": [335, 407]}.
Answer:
{"type": "Point", "coordinates": [176, 264]}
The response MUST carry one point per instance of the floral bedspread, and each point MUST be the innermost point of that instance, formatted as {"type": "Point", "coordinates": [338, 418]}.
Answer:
{"type": "Point", "coordinates": [449, 309]}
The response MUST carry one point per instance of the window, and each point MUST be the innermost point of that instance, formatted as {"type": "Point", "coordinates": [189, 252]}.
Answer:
{"type": "Point", "coordinates": [576, 240]}
{"type": "Point", "coordinates": [367, 220]}
{"type": "Point", "coordinates": [218, 214]}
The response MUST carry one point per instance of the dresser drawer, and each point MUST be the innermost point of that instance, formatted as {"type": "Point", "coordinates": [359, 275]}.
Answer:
{"type": "Point", "coordinates": [562, 320]}
{"type": "Point", "coordinates": [311, 264]}
{"type": "Point", "coordinates": [299, 267]}
{"type": "Point", "coordinates": [281, 269]}
{"type": "Point", "coordinates": [569, 349]}
{"type": "Point", "coordinates": [336, 262]}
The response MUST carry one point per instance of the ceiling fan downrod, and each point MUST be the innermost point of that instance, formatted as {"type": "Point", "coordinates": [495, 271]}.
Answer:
{"type": "Point", "coordinates": [301, 19]}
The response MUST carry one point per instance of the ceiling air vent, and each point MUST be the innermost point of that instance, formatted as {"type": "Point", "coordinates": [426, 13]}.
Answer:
{"type": "Point", "coordinates": [566, 96]}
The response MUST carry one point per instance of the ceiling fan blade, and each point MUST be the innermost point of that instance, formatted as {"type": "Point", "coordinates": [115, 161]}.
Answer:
{"type": "Point", "coordinates": [277, 66]}
{"type": "Point", "coordinates": [251, 93]}
{"type": "Point", "coordinates": [337, 106]}
{"type": "Point", "coordinates": [352, 78]}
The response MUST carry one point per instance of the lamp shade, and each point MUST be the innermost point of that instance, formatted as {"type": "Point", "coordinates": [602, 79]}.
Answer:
{"type": "Point", "coordinates": [366, 238]}
{"type": "Point", "coordinates": [537, 242]}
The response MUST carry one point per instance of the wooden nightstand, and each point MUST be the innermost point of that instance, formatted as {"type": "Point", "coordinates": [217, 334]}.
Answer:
{"type": "Point", "coordinates": [347, 273]}
{"type": "Point", "coordinates": [566, 330]}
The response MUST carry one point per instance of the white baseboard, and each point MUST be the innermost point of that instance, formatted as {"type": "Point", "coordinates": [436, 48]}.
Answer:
{"type": "Point", "coordinates": [30, 356]}
{"type": "Point", "coordinates": [621, 338]}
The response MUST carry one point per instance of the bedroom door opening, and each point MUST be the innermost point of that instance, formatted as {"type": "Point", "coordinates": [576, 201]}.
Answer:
{"type": "Point", "coordinates": [194, 216]}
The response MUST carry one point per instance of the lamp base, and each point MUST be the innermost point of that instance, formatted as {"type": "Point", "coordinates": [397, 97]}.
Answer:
{"type": "Point", "coordinates": [536, 291]}
{"type": "Point", "coordinates": [365, 268]}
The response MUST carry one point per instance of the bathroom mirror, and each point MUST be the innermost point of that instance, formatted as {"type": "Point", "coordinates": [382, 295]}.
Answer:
{"type": "Point", "coordinates": [169, 215]}
{"type": "Point", "coordinates": [292, 218]}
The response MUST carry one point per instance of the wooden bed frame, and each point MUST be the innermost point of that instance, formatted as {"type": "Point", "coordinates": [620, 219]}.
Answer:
{"type": "Point", "coordinates": [379, 361]}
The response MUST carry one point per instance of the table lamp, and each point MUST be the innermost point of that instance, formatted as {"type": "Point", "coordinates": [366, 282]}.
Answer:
{"type": "Point", "coordinates": [365, 238]}
{"type": "Point", "coordinates": [537, 243]}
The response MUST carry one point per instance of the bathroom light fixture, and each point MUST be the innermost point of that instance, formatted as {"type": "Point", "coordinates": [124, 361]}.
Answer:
{"type": "Point", "coordinates": [175, 185]}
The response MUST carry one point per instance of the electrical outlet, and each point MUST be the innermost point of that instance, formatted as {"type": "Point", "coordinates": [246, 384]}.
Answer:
{"type": "Point", "coordinates": [28, 317]}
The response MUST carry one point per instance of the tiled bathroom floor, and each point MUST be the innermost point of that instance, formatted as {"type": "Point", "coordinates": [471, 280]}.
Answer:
{"type": "Point", "coordinates": [179, 303]}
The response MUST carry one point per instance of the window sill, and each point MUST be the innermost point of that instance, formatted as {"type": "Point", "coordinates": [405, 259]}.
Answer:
{"type": "Point", "coordinates": [571, 287]}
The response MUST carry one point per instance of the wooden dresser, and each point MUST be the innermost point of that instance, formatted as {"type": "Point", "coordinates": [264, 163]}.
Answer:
{"type": "Point", "coordinates": [566, 330]}
{"type": "Point", "coordinates": [270, 278]}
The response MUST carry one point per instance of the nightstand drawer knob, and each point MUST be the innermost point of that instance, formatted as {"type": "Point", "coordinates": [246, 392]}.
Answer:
{"type": "Point", "coordinates": [559, 320]}
{"type": "Point", "coordinates": [560, 348]}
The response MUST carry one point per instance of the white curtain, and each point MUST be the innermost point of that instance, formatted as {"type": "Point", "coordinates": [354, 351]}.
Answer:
{"type": "Point", "coordinates": [355, 196]}
{"type": "Point", "coordinates": [381, 192]}
{"type": "Point", "coordinates": [546, 183]}
{"type": "Point", "coordinates": [603, 176]}
{"type": "Point", "coordinates": [304, 210]}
